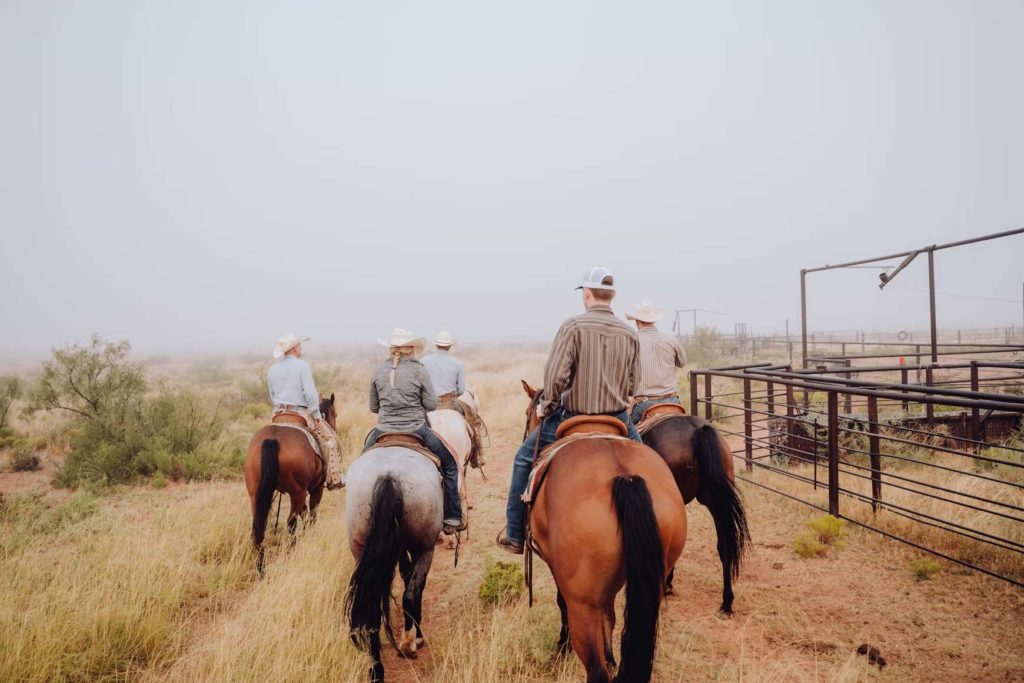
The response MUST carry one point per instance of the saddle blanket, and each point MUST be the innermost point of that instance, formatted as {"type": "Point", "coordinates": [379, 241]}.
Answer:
{"type": "Point", "coordinates": [549, 453]}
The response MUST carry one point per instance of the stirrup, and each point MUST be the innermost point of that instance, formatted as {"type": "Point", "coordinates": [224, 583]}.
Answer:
{"type": "Point", "coordinates": [450, 529]}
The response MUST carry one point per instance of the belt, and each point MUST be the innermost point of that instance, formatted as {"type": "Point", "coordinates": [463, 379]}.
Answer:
{"type": "Point", "coordinates": [288, 408]}
{"type": "Point", "coordinates": [655, 398]}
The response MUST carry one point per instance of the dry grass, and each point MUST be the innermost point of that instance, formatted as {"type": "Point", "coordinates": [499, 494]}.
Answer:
{"type": "Point", "coordinates": [159, 585]}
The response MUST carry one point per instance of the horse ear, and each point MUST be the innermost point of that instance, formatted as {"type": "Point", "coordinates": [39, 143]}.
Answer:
{"type": "Point", "coordinates": [530, 391]}
{"type": "Point", "coordinates": [332, 399]}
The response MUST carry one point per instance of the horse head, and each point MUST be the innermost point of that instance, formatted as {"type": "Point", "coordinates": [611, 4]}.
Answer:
{"type": "Point", "coordinates": [532, 420]}
{"type": "Point", "coordinates": [328, 410]}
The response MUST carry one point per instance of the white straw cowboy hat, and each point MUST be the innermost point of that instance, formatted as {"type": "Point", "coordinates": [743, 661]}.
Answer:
{"type": "Point", "coordinates": [287, 343]}
{"type": "Point", "coordinates": [444, 338]}
{"type": "Point", "coordinates": [593, 276]}
{"type": "Point", "coordinates": [401, 338]}
{"type": "Point", "coordinates": [645, 313]}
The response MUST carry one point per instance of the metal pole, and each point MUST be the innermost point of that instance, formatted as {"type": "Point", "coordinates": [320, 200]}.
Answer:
{"type": "Point", "coordinates": [748, 427]}
{"type": "Point", "coordinates": [707, 397]}
{"type": "Point", "coordinates": [803, 314]}
{"type": "Point", "coordinates": [931, 300]}
{"type": "Point", "coordinates": [693, 393]}
{"type": "Point", "coordinates": [833, 453]}
{"type": "Point", "coordinates": [876, 460]}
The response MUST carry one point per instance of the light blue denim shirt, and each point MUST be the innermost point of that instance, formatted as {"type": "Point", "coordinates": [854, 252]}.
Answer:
{"type": "Point", "coordinates": [446, 373]}
{"type": "Point", "coordinates": [291, 383]}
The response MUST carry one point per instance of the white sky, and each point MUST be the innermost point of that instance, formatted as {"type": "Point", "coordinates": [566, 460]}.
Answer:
{"type": "Point", "coordinates": [194, 175]}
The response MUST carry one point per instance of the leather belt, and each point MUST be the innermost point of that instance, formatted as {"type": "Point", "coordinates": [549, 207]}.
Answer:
{"type": "Point", "coordinates": [637, 399]}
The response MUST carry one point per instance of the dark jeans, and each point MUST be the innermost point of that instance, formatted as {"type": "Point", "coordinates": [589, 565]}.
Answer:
{"type": "Point", "coordinates": [639, 408]}
{"type": "Point", "coordinates": [449, 468]}
{"type": "Point", "coordinates": [515, 509]}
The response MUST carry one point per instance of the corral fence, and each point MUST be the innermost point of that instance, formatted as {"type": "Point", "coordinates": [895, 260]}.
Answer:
{"type": "Point", "coordinates": [937, 465]}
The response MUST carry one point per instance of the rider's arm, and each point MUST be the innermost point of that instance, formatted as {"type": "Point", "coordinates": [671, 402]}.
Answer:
{"type": "Point", "coordinates": [558, 371]}
{"type": "Point", "coordinates": [374, 398]}
{"type": "Point", "coordinates": [680, 354]}
{"type": "Point", "coordinates": [460, 381]}
{"type": "Point", "coordinates": [309, 393]}
{"type": "Point", "coordinates": [427, 396]}
{"type": "Point", "coordinates": [634, 369]}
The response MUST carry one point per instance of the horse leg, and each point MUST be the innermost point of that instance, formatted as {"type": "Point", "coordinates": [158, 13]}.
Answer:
{"type": "Point", "coordinates": [609, 629]}
{"type": "Point", "coordinates": [669, 590]}
{"type": "Point", "coordinates": [414, 573]}
{"type": "Point", "coordinates": [586, 623]}
{"type": "Point", "coordinates": [298, 509]}
{"type": "Point", "coordinates": [377, 670]}
{"type": "Point", "coordinates": [563, 633]}
{"type": "Point", "coordinates": [727, 596]}
{"type": "Point", "coordinates": [315, 497]}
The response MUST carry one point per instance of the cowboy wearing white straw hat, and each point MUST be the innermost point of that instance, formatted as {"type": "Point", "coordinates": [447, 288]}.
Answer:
{"type": "Point", "coordinates": [292, 390]}
{"type": "Point", "coordinates": [591, 370]}
{"type": "Point", "coordinates": [448, 377]}
{"type": "Point", "coordinates": [660, 355]}
{"type": "Point", "coordinates": [402, 394]}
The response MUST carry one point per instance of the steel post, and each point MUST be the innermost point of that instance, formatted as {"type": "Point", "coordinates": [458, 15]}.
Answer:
{"type": "Point", "coordinates": [833, 453]}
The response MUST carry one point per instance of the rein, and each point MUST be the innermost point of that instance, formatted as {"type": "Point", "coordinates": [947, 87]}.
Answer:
{"type": "Point", "coordinates": [528, 536]}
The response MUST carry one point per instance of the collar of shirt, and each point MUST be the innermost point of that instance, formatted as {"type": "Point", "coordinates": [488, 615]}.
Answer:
{"type": "Point", "coordinates": [600, 308]}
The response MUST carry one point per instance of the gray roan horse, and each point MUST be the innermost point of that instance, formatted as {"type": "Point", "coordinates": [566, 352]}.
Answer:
{"type": "Point", "coordinates": [393, 511]}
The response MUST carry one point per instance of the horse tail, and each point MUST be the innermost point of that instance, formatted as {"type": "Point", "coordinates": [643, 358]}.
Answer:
{"type": "Point", "coordinates": [269, 466]}
{"type": "Point", "coordinates": [645, 576]}
{"type": "Point", "coordinates": [369, 589]}
{"type": "Point", "coordinates": [722, 498]}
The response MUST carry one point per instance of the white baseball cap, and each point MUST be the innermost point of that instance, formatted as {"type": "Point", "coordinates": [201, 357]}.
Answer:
{"type": "Point", "coordinates": [593, 276]}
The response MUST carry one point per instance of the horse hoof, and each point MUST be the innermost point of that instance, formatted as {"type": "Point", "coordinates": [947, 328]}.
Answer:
{"type": "Point", "coordinates": [725, 614]}
{"type": "Point", "coordinates": [421, 642]}
{"type": "Point", "coordinates": [669, 590]}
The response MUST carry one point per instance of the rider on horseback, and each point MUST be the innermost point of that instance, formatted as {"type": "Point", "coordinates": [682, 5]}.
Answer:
{"type": "Point", "coordinates": [292, 390]}
{"type": "Point", "coordinates": [401, 394]}
{"type": "Point", "coordinates": [592, 370]}
{"type": "Point", "coordinates": [448, 377]}
{"type": "Point", "coordinates": [660, 355]}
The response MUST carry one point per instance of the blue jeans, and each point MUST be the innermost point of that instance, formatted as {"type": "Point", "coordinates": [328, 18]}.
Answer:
{"type": "Point", "coordinates": [449, 468]}
{"type": "Point", "coordinates": [515, 509]}
{"type": "Point", "coordinates": [639, 408]}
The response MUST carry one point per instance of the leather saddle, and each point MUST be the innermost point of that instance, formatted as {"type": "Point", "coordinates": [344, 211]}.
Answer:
{"type": "Point", "coordinates": [592, 424]}
{"type": "Point", "coordinates": [656, 414]}
{"type": "Point", "coordinates": [409, 440]}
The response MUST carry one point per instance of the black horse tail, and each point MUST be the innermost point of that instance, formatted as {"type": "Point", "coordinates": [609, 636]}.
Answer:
{"type": "Point", "coordinates": [265, 490]}
{"type": "Point", "coordinates": [645, 576]}
{"type": "Point", "coordinates": [369, 590]}
{"type": "Point", "coordinates": [722, 498]}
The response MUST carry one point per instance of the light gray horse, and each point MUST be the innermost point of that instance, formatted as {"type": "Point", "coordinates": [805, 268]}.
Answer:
{"type": "Point", "coordinates": [393, 510]}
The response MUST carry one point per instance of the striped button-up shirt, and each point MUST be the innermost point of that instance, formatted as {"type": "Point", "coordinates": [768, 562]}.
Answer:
{"type": "Point", "coordinates": [446, 372]}
{"type": "Point", "coordinates": [594, 364]}
{"type": "Point", "coordinates": [660, 355]}
{"type": "Point", "coordinates": [401, 405]}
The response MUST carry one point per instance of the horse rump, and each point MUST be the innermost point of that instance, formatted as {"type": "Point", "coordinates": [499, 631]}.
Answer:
{"type": "Point", "coordinates": [269, 465]}
{"type": "Point", "coordinates": [719, 494]}
{"type": "Point", "coordinates": [645, 575]}
{"type": "Point", "coordinates": [368, 600]}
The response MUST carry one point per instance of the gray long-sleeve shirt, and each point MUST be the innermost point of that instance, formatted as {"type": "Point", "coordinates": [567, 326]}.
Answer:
{"type": "Point", "coordinates": [290, 381]}
{"type": "Point", "coordinates": [402, 406]}
{"type": "Point", "coordinates": [446, 372]}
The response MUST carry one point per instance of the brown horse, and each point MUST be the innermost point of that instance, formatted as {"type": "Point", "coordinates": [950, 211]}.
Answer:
{"type": "Point", "coordinates": [281, 459]}
{"type": "Point", "coordinates": [702, 466]}
{"type": "Point", "coordinates": [608, 515]}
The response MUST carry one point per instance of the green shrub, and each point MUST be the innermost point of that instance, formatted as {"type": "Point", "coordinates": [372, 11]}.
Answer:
{"type": "Point", "coordinates": [824, 532]}
{"type": "Point", "coordinates": [502, 584]}
{"type": "Point", "coordinates": [158, 481]}
{"type": "Point", "coordinates": [924, 568]}
{"type": "Point", "coordinates": [24, 460]}
{"type": "Point", "coordinates": [704, 350]}
{"type": "Point", "coordinates": [807, 546]}
{"type": "Point", "coordinates": [10, 389]}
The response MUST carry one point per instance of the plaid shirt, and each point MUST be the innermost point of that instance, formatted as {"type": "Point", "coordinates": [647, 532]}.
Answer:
{"type": "Point", "coordinates": [594, 364]}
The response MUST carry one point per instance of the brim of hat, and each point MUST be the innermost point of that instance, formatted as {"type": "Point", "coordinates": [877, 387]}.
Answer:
{"type": "Point", "coordinates": [444, 344]}
{"type": "Point", "coordinates": [418, 343]}
{"type": "Point", "coordinates": [650, 319]}
{"type": "Point", "coordinates": [610, 288]}
{"type": "Point", "coordinates": [279, 351]}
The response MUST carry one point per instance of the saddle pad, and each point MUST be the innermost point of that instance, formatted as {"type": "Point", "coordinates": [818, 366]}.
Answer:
{"type": "Point", "coordinates": [309, 436]}
{"type": "Point", "coordinates": [548, 454]}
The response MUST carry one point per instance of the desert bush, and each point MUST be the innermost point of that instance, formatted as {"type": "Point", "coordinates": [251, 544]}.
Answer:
{"type": "Point", "coordinates": [10, 389]}
{"type": "Point", "coordinates": [824, 532]}
{"type": "Point", "coordinates": [924, 568]}
{"type": "Point", "coordinates": [24, 460]}
{"type": "Point", "coordinates": [502, 584]}
{"type": "Point", "coordinates": [705, 349]}
{"type": "Point", "coordinates": [117, 431]}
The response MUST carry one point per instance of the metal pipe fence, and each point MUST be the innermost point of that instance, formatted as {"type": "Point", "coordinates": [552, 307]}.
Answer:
{"type": "Point", "coordinates": [939, 467]}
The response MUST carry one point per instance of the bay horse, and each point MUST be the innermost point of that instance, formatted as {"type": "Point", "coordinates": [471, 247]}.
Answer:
{"type": "Point", "coordinates": [702, 466]}
{"type": "Point", "coordinates": [393, 511]}
{"type": "Point", "coordinates": [608, 515]}
{"type": "Point", "coordinates": [280, 458]}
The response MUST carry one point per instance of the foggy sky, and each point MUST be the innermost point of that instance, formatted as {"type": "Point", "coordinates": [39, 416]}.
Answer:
{"type": "Point", "coordinates": [208, 175]}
